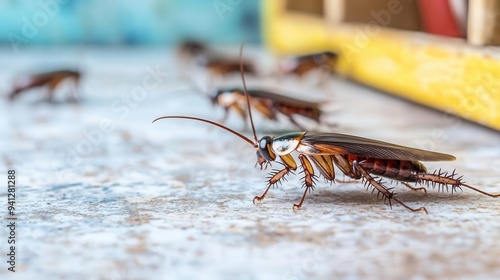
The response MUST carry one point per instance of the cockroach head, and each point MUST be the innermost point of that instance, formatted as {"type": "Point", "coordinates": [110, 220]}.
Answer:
{"type": "Point", "coordinates": [281, 145]}
{"type": "Point", "coordinates": [265, 150]}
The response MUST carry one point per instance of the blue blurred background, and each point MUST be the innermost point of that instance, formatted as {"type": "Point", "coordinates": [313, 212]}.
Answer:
{"type": "Point", "coordinates": [127, 22]}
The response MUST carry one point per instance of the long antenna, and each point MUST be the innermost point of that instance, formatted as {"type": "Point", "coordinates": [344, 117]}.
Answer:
{"type": "Point", "coordinates": [246, 93]}
{"type": "Point", "coordinates": [212, 123]}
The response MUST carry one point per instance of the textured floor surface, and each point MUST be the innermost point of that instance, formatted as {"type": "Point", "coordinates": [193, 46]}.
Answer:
{"type": "Point", "coordinates": [173, 200]}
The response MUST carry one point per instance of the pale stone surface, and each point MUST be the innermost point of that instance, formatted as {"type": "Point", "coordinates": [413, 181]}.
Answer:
{"type": "Point", "coordinates": [173, 200]}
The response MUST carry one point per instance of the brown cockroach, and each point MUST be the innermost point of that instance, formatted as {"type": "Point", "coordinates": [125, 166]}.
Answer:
{"type": "Point", "coordinates": [191, 48]}
{"type": "Point", "coordinates": [214, 62]}
{"type": "Point", "coordinates": [224, 66]}
{"type": "Point", "coordinates": [50, 80]}
{"type": "Point", "coordinates": [356, 157]}
{"type": "Point", "coordinates": [300, 65]}
{"type": "Point", "coordinates": [269, 104]}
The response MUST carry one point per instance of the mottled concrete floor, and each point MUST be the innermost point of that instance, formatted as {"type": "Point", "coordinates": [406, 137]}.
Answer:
{"type": "Point", "coordinates": [173, 200]}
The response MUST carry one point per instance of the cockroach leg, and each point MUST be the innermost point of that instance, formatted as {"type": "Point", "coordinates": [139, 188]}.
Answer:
{"type": "Point", "coordinates": [308, 170]}
{"type": "Point", "coordinates": [444, 179]}
{"type": "Point", "coordinates": [413, 188]}
{"type": "Point", "coordinates": [263, 164]}
{"type": "Point", "coordinates": [309, 179]}
{"type": "Point", "coordinates": [298, 206]}
{"type": "Point", "coordinates": [260, 198]}
{"type": "Point", "coordinates": [278, 176]}
{"type": "Point", "coordinates": [382, 189]}
{"type": "Point", "coordinates": [275, 178]}
{"type": "Point", "coordinates": [411, 209]}
{"type": "Point", "coordinates": [358, 170]}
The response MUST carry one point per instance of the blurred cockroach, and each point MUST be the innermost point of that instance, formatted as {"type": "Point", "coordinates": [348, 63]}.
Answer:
{"type": "Point", "coordinates": [224, 66]}
{"type": "Point", "coordinates": [215, 62]}
{"type": "Point", "coordinates": [191, 49]}
{"type": "Point", "coordinates": [50, 80]}
{"type": "Point", "coordinates": [269, 103]}
{"type": "Point", "coordinates": [356, 157]}
{"type": "Point", "coordinates": [300, 65]}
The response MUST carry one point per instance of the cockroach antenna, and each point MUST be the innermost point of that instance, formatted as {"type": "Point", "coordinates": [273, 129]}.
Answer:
{"type": "Point", "coordinates": [246, 93]}
{"type": "Point", "coordinates": [212, 123]}
{"type": "Point", "coordinates": [254, 144]}
{"type": "Point", "coordinates": [269, 103]}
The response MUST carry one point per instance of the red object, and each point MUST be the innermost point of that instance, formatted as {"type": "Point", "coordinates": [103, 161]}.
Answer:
{"type": "Point", "coordinates": [438, 18]}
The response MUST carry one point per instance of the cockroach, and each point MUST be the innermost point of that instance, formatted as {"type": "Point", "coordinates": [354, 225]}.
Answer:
{"type": "Point", "coordinates": [192, 49]}
{"type": "Point", "coordinates": [224, 66]}
{"type": "Point", "coordinates": [300, 65]}
{"type": "Point", "coordinates": [50, 80]}
{"type": "Point", "coordinates": [357, 157]}
{"type": "Point", "coordinates": [269, 104]}
{"type": "Point", "coordinates": [214, 62]}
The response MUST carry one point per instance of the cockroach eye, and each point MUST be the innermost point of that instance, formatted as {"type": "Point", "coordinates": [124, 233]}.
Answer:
{"type": "Point", "coordinates": [263, 143]}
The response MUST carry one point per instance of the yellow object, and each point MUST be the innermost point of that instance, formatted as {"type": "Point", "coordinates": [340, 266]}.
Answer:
{"type": "Point", "coordinates": [443, 73]}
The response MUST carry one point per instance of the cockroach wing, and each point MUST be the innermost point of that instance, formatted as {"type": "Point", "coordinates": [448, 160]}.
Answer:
{"type": "Point", "coordinates": [343, 144]}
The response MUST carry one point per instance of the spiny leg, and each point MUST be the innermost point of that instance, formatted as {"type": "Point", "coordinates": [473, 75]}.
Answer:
{"type": "Point", "coordinates": [273, 179]}
{"type": "Point", "coordinates": [382, 189]}
{"type": "Point", "coordinates": [413, 188]}
{"type": "Point", "coordinates": [260, 198]}
{"type": "Point", "coordinates": [444, 179]}
{"type": "Point", "coordinates": [309, 179]}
